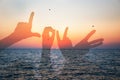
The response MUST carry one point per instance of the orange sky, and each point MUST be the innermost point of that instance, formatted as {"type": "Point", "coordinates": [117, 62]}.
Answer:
{"type": "Point", "coordinates": [78, 15]}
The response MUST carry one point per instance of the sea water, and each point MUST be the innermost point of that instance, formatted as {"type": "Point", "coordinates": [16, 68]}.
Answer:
{"type": "Point", "coordinates": [25, 64]}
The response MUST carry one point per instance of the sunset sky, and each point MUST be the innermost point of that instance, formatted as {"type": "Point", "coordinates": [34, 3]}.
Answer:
{"type": "Point", "coordinates": [78, 15]}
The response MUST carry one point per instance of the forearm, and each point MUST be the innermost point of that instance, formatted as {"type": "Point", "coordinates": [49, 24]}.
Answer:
{"type": "Point", "coordinates": [9, 40]}
{"type": "Point", "coordinates": [45, 57]}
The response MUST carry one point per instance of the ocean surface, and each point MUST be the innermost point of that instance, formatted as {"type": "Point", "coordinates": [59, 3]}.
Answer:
{"type": "Point", "coordinates": [25, 64]}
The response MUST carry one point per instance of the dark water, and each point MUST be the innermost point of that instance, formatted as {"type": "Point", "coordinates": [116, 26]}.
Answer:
{"type": "Point", "coordinates": [25, 64]}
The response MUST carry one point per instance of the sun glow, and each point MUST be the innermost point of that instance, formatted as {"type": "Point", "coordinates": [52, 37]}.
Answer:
{"type": "Point", "coordinates": [78, 15]}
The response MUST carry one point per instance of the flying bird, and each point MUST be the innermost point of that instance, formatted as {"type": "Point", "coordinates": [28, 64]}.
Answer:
{"type": "Point", "coordinates": [93, 26]}
{"type": "Point", "coordinates": [49, 9]}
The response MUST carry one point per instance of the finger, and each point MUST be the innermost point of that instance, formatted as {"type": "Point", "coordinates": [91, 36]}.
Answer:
{"type": "Point", "coordinates": [52, 30]}
{"type": "Point", "coordinates": [31, 18]}
{"type": "Point", "coordinates": [58, 37]}
{"type": "Point", "coordinates": [65, 33]}
{"type": "Point", "coordinates": [45, 32]}
{"type": "Point", "coordinates": [52, 34]}
{"type": "Point", "coordinates": [49, 29]}
{"type": "Point", "coordinates": [95, 45]}
{"type": "Point", "coordinates": [96, 41]}
{"type": "Point", "coordinates": [90, 34]}
{"type": "Point", "coordinates": [36, 35]}
{"type": "Point", "coordinates": [52, 37]}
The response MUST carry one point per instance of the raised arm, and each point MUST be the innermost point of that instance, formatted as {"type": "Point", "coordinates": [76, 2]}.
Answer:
{"type": "Point", "coordinates": [47, 41]}
{"type": "Point", "coordinates": [65, 42]}
{"type": "Point", "coordinates": [22, 31]}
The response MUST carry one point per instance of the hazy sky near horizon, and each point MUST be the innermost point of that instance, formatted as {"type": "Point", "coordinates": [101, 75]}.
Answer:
{"type": "Point", "coordinates": [78, 15]}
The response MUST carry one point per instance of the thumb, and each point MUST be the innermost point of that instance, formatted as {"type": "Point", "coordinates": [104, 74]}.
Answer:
{"type": "Point", "coordinates": [36, 34]}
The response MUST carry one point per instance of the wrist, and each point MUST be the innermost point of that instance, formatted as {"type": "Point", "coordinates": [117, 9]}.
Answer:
{"type": "Point", "coordinates": [9, 40]}
{"type": "Point", "coordinates": [15, 37]}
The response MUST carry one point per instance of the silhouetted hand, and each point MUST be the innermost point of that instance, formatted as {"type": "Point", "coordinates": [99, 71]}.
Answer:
{"type": "Point", "coordinates": [47, 39]}
{"type": "Point", "coordinates": [73, 54]}
{"type": "Point", "coordinates": [84, 44]}
{"type": "Point", "coordinates": [23, 29]}
{"type": "Point", "coordinates": [64, 43]}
